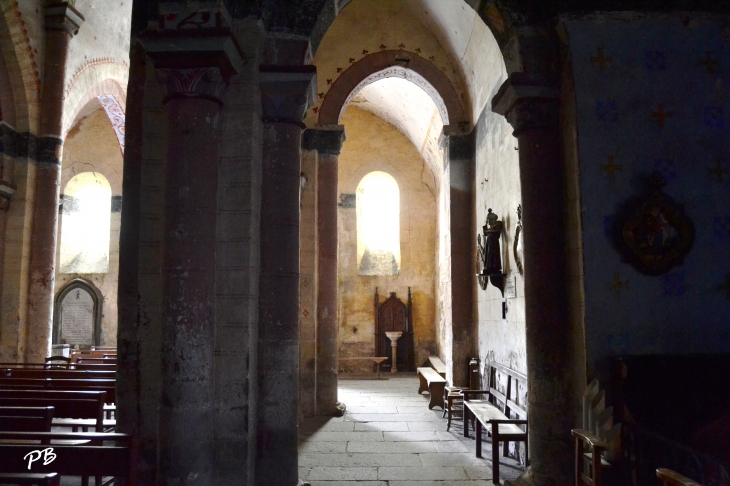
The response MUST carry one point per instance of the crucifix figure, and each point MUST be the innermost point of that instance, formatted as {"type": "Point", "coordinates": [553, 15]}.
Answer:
{"type": "Point", "coordinates": [611, 168]}
{"type": "Point", "coordinates": [719, 171]}
{"type": "Point", "coordinates": [660, 114]}
{"type": "Point", "coordinates": [601, 60]}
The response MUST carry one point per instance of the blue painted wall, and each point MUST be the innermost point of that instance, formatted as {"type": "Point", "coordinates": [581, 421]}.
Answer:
{"type": "Point", "coordinates": [652, 62]}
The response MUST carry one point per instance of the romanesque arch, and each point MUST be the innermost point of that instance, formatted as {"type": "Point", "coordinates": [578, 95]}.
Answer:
{"type": "Point", "coordinates": [22, 68]}
{"type": "Point", "coordinates": [97, 78]}
{"type": "Point", "coordinates": [387, 63]}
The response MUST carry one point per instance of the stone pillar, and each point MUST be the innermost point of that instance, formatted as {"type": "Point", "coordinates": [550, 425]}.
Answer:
{"type": "Point", "coordinates": [188, 268]}
{"type": "Point", "coordinates": [531, 104]}
{"type": "Point", "coordinates": [193, 66]}
{"type": "Point", "coordinates": [286, 93]}
{"type": "Point", "coordinates": [463, 234]}
{"type": "Point", "coordinates": [62, 21]}
{"type": "Point", "coordinates": [327, 140]}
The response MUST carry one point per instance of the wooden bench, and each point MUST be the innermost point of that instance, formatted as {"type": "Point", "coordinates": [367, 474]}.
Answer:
{"type": "Point", "coordinates": [494, 414]}
{"type": "Point", "coordinates": [434, 384]}
{"type": "Point", "coordinates": [376, 359]}
{"type": "Point", "coordinates": [90, 459]}
{"type": "Point", "coordinates": [438, 365]}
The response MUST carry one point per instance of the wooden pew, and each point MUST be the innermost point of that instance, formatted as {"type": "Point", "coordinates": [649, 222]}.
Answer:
{"type": "Point", "coordinates": [90, 459]}
{"type": "Point", "coordinates": [95, 366]}
{"type": "Point", "coordinates": [434, 384]}
{"type": "Point", "coordinates": [26, 419]}
{"type": "Point", "coordinates": [100, 384]}
{"type": "Point", "coordinates": [99, 361]}
{"type": "Point", "coordinates": [72, 408]}
{"type": "Point", "coordinates": [71, 374]}
{"type": "Point", "coordinates": [494, 413]}
{"type": "Point", "coordinates": [437, 365]}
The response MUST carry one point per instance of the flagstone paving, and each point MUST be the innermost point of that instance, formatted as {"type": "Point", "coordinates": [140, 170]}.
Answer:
{"type": "Point", "coordinates": [389, 437]}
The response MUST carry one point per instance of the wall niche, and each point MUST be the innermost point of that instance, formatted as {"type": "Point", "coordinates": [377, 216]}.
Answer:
{"type": "Point", "coordinates": [77, 314]}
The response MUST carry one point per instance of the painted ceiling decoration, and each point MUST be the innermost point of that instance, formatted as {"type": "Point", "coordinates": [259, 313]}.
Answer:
{"type": "Point", "coordinates": [116, 116]}
{"type": "Point", "coordinates": [408, 75]}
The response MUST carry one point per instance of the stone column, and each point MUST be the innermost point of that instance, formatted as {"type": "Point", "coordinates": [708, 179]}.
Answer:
{"type": "Point", "coordinates": [531, 104]}
{"type": "Point", "coordinates": [286, 93]}
{"type": "Point", "coordinates": [327, 140]}
{"type": "Point", "coordinates": [194, 69]}
{"type": "Point", "coordinates": [463, 234]}
{"type": "Point", "coordinates": [62, 21]}
{"type": "Point", "coordinates": [188, 268]}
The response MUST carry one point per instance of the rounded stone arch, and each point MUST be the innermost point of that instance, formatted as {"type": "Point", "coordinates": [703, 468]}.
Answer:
{"type": "Point", "coordinates": [92, 81]}
{"type": "Point", "coordinates": [389, 63]}
{"type": "Point", "coordinates": [97, 298]}
{"type": "Point", "coordinates": [22, 71]}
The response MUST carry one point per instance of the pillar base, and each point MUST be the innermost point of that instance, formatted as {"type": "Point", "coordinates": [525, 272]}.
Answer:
{"type": "Point", "coordinates": [528, 479]}
{"type": "Point", "coordinates": [525, 479]}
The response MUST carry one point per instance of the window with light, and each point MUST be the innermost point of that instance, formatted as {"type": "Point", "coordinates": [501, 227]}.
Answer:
{"type": "Point", "coordinates": [378, 225]}
{"type": "Point", "coordinates": [86, 217]}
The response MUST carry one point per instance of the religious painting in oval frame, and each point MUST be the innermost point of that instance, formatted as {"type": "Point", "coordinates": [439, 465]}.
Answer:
{"type": "Point", "coordinates": [658, 234]}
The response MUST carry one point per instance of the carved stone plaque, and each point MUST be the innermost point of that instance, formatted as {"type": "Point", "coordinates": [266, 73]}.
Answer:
{"type": "Point", "coordinates": [510, 289]}
{"type": "Point", "coordinates": [77, 318]}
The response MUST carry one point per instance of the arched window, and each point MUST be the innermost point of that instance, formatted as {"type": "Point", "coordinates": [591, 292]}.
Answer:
{"type": "Point", "coordinates": [378, 225]}
{"type": "Point", "coordinates": [87, 201]}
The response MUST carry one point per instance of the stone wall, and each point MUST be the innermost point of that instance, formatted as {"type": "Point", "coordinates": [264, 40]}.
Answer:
{"type": "Point", "coordinates": [627, 67]}
{"type": "Point", "coordinates": [92, 146]}
{"type": "Point", "coordinates": [497, 187]}
{"type": "Point", "coordinates": [374, 145]}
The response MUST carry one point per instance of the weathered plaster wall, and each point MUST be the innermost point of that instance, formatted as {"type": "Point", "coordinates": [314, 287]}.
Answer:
{"type": "Point", "coordinates": [444, 336]}
{"type": "Point", "coordinates": [92, 146]}
{"type": "Point", "coordinates": [498, 187]}
{"type": "Point", "coordinates": [653, 60]}
{"type": "Point", "coordinates": [374, 145]}
{"type": "Point", "coordinates": [102, 38]}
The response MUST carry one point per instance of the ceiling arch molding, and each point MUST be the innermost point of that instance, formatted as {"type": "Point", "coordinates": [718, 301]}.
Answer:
{"type": "Point", "coordinates": [357, 75]}
{"type": "Point", "coordinates": [96, 79]}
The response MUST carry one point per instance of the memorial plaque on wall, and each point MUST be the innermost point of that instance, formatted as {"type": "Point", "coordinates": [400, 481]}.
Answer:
{"type": "Point", "coordinates": [77, 318]}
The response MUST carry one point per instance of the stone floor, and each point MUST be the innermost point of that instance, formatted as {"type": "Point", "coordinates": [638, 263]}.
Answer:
{"type": "Point", "coordinates": [389, 437]}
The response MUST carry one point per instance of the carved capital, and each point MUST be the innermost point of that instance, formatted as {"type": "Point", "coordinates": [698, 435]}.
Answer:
{"type": "Point", "coordinates": [6, 192]}
{"type": "Point", "coordinates": [63, 17]}
{"type": "Point", "coordinates": [287, 92]}
{"type": "Point", "coordinates": [325, 139]}
{"type": "Point", "coordinates": [528, 101]}
{"type": "Point", "coordinates": [192, 36]}
{"type": "Point", "coordinates": [204, 83]}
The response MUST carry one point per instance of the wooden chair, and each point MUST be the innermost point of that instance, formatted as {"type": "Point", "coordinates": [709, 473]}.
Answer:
{"type": "Point", "coordinates": [589, 460]}
{"type": "Point", "coordinates": [672, 478]}
{"type": "Point", "coordinates": [453, 404]}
